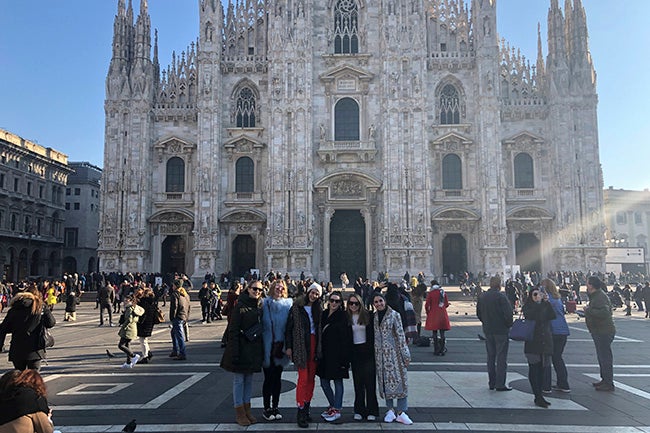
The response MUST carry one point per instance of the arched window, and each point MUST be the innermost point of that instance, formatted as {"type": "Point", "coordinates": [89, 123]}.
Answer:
{"type": "Point", "coordinates": [452, 172]}
{"type": "Point", "coordinates": [244, 175]}
{"type": "Point", "coordinates": [175, 175]}
{"type": "Point", "coordinates": [524, 177]}
{"type": "Point", "coordinates": [245, 112]}
{"type": "Point", "coordinates": [449, 105]}
{"type": "Point", "coordinates": [346, 120]}
{"type": "Point", "coordinates": [346, 27]}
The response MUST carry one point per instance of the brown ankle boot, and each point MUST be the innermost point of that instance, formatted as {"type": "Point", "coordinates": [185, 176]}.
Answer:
{"type": "Point", "coordinates": [240, 416]}
{"type": "Point", "coordinates": [247, 409]}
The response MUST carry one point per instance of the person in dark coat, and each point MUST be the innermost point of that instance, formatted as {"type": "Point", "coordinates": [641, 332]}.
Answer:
{"type": "Point", "coordinates": [105, 299]}
{"type": "Point", "coordinates": [24, 403]}
{"type": "Point", "coordinates": [244, 356]}
{"type": "Point", "coordinates": [146, 298]}
{"type": "Point", "coordinates": [333, 353]}
{"type": "Point", "coordinates": [539, 350]}
{"type": "Point", "coordinates": [23, 321]}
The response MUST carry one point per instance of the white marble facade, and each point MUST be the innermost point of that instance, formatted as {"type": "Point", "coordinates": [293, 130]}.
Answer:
{"type": "Point", "coordinates": [457, 151]}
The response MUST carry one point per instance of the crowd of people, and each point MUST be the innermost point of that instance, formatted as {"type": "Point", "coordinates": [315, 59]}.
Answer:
{"type": "Point", "coordinates": [324, 332]}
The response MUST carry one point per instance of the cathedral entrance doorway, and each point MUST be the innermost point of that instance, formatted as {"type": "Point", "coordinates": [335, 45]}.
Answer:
{"type": "Point", "coordinates": [528, 252]}
{"type": "Point", "coordinates": [173, 255]}
{"type": "Point", "coordinates": [347, 245]}
{"type": "Point", "coordinates": [243, 255]}
{"type": "Point", "coordinates": [454, 254]}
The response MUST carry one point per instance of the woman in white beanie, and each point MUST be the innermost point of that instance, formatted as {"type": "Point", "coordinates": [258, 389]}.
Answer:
{"type": "Point", "coordinates": [301, 340]}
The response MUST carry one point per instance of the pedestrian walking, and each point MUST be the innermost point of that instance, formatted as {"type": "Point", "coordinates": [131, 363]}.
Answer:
{"type": "Point", "coordinates": [495, 313]}
{"type": "Point", "coordinates": [105, 299]}
{"type": "Point", "coordinates": [392, 358]}
{"type": "Point", "coordinates": [25, 319]}
{"type": "Point", "coordinates": [129, 330]}
{"type": "Point", "coordinates": [437, 318]}
{"type": "Point", "coordinates": [244, 352]}
{"type": "Point", "coordinates": [145, 298]}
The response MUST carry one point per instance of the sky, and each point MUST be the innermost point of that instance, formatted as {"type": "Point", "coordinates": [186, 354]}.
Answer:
{"type": "Point", "coordinates": [55, 55]}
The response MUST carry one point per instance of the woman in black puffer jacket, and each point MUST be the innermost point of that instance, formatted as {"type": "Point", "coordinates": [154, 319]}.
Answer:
{"type": "Point", "coordinates": [146, 298]}
{"type": "Point", "coordinates": [244, 356]}
{"type": "Point", "coordinates": [23, 321]}
{"type": "Point", "coordinates": [539, 350]}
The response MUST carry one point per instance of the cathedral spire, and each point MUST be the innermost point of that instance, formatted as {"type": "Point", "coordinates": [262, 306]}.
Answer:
{"type": "Point", "coordinates": [540, 54]}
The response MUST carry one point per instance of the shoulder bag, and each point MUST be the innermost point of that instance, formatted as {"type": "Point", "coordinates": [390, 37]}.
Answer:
{"type": "Point", "coordinates": [522, 329]}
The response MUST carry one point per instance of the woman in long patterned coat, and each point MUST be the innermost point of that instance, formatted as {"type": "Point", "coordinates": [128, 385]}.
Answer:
{"type": "Point", "coordinates": [392, 357]}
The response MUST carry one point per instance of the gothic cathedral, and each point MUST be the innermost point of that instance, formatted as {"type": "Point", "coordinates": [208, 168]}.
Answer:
{"type": "Point", "coordinates": [351, 135]}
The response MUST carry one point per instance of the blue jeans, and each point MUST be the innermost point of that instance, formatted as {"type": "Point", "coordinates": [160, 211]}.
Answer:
{"type": "Point", "coordinates": [335, 399]}
{"type": "Point", "coordinates": [559, 341]}
{"type": "Point", "coordinates": [242, 388]}
{"type": "Point", "coordinates": [402, 405]}
{"type": "Point", "coordinates": [603, 343]}
{"type": "Point", "coordinates": [178, 337]}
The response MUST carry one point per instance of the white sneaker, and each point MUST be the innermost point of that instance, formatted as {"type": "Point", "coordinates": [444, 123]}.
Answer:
{"type": "Point", "coordinates": [371, 418]}
{"type": "Point", "coordinates": [328, 412]}
{"type": "Point", "coordinates": [135, 360]}
{"type": "Point", "coordinates": [127, 365]}
{"type": "Point", "coordinates": [390, 416]}
{"type": "Point", "coordinates": [335, 414]}
{"type": "Point", "coordinates": [403, 418]}
{"type": "Point", "coordinates": [358, 417]}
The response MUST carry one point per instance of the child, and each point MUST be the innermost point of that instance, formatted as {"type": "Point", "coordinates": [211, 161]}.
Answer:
{"type": "Point", "coordinates": [129, 330]}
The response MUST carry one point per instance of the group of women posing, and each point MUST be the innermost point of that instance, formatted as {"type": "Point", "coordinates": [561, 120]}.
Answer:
{"type": "Point", "coordinates": [326, 342]}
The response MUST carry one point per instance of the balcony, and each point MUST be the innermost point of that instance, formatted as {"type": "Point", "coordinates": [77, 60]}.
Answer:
{"type": "Point", "coordinates": [174, 199]}
{"type": "Point", "coordinates": [526, 195]}
{"type": "Point", "coordinates": [233, 199]}
{"type": "Point", "coordinates": [347, 151]}
{"type": "Point", "coordinates": [452, 196]}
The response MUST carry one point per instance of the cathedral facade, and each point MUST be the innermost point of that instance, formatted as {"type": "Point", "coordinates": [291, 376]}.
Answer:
{"type": "Point", "coordinates": [351, 135]}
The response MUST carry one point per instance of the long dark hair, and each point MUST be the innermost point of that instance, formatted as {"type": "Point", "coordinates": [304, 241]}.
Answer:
{"type": "Point", "coordinates": [364, 316]}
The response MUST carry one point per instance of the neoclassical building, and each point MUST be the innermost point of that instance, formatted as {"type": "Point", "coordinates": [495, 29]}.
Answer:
{"type": "Point", "coordinates": [351, 135]}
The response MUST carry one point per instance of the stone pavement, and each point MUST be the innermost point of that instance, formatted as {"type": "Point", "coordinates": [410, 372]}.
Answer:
{"type": "Point", "coordinates": [90, 393]}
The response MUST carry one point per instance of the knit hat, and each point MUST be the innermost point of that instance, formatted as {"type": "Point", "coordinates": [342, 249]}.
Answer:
{"type": "Point", "coordinates": [317, 287]}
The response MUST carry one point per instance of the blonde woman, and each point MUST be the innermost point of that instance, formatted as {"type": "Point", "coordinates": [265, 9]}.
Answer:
{"type": "Point", "coordinates": [560, 331]}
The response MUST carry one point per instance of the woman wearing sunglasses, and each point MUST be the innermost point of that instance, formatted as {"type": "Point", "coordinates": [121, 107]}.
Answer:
{"type": "Point", "coordinates": [363, 360]}
{"type": "Point", "coordinates": [333, 354]}
{"type": "Point", "coordinates": [392, 358]}
{"type": "Point", "coordinates": [538, 351]}
{"type": "Point", "coordinates": [244, 352]}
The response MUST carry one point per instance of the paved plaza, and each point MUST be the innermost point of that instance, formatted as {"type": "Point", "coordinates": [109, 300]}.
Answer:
{"type": "Point", "coordinates": [90, 392]}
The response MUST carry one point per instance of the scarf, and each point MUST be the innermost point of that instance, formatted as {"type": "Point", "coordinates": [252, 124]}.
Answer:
{"type": "Point", "coordinates": [299, 352]}
{"type": "Point", "coordinates": [441, 300]}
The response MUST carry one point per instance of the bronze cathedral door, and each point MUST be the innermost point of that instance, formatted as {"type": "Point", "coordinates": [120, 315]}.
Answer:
{"type": "Point", "coordinates": [347, 245]}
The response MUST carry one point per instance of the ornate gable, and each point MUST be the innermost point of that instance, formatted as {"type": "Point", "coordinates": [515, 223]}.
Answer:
{"type": "Point", "coordinates": [174, 146]}
{"type": "Point", "coordinates": [451, 141]}
{"type": "Point", "coordinates": [524, 140]}
{"type": "Point", "coordinates": [346, 79]}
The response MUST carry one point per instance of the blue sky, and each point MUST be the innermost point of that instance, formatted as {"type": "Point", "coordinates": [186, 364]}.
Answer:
{"type": "Point", "coordinates": [55, 56]}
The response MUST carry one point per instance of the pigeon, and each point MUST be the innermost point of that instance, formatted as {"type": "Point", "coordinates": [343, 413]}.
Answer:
{"type": "Point", "coordinates": [130, 427]}
{"type": "Point", "coordinates": [480, 337]}
{"type": "Point", "coordinates": [109, 354]}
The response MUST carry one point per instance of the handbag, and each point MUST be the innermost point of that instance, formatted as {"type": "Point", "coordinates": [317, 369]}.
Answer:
{"type": "Point", "coordinates": [159, 317]}
{"type": "Point", "coordinates": [522, 329]}
{"type": "Point", "coordinates": [45, 338]}
{"type": "Point", "coordinates": [254, 332]}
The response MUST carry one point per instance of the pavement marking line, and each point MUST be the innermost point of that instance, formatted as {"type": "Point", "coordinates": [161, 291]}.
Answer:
{"type": "Point", "coordinates": [109, 388]}
{"type": "Point", "coordinates": [624, 387]}
{"type": "Point", "coordinates": [517, 364]}
{"type": "Point", "coordinates": [153, 404]}
{"type": "Point", "coordinates": [355, 426]}
{"type": "Point", "coordinates": [616, 337]}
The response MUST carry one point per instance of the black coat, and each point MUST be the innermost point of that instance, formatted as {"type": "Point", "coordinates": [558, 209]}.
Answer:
{"type": "Point", "coordinates": [242, 355]}
{"type": "Point", "coordinates": [23, 327]}
{"type": "Point", "coordinates": [145, 322]}
{"type": "Point", "coordinates": [335, 345]}
{"type": "Point", "coordinates": [542, 313]}
{"type": "Point", "coordinates": [495, 312]}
